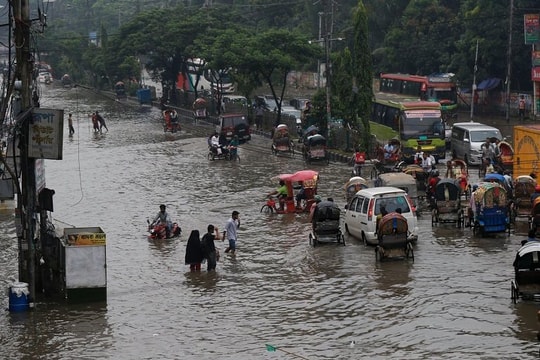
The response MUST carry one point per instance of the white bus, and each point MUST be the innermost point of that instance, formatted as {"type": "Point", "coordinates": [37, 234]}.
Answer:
{"type": "Point", "coordinates": [207, 79]}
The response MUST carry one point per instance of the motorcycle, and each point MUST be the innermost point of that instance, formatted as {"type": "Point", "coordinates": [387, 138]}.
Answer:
{"type": "Point", "coordinates": [158, 231]}
{"type": "Point", "coordinates": [221, 153]}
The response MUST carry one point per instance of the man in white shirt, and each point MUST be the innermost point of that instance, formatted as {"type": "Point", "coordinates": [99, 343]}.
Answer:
{"type": "Point", "coordinates": [428, 162]}
{"type": "Point", "coordinates": [214, 142]}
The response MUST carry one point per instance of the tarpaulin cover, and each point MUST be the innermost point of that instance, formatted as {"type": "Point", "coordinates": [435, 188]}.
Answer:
{"type": "Point", "coordinates": [488, 84]}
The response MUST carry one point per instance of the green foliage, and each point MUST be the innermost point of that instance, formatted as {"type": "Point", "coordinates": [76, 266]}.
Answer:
{"type": "Point", "coordinates": [422, 36]}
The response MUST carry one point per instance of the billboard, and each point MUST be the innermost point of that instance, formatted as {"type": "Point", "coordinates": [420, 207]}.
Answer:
{"type": "Point", "coordinates": [45, 134]}
{"type": "Point", "coordinates": [531, 26]}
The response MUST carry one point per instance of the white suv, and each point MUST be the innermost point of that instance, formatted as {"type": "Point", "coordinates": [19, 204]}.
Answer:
{"type": "Point", "coordinates": [362, 211]}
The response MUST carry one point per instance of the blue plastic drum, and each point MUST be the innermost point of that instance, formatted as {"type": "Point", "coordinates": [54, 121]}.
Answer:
{"type": "Point", "coordinates": [18, 297]}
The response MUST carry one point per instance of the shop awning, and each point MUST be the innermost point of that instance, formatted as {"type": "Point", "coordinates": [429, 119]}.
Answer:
{"type": "Point", "coordinates": [488, 84]}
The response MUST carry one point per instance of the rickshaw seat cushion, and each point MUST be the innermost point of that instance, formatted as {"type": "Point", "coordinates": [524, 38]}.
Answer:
{"type": "Point", "coordinates": [326, 227]}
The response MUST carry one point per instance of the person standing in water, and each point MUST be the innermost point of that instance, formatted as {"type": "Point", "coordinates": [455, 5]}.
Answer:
{"type": "Point", "coordinates": [194, 252]}
{"type": "Point", "coordinates": [70, 124]}
{"type": "Point", "coordinates": [101, 121]}
{"type": "Point", "coordinates": [230, 233]}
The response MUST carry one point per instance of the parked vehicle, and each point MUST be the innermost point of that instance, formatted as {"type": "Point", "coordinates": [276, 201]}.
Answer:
{"type": "Point", "coordinates": [366, 205]}
{"type": "Point", "coordinates": [507, 153]}
{"type": "Point", "coordinates": [447, 203]}
{"type": "Point", "coordinates": [402, 181]}
{"type": "Point", "coordinates": [199, 110]}
{"type": "Point", "coordinates": [235, 103]}
{"type": "Point", "coordinates": [314, 149]}
{"type": "Point", "coordinates": [489, 206]}
{"type": "Point", "coordinates": [524, 186]}
{"type": "Point", "coordinates": [420, 175]}
{"type": "Point", "coordinates": [526, 282]}
{"type": "Point", "coordinates": [457, 169]}
{"type": "Point", "coordinates": [66, 80]}
{"type": "Point", "coordinates": [526, 140]}
{"type": "Point", "coordinates": [281, 141]}
{"type": "Point", "coordinates": [45, 77]}
{"type": "Point", "coordinates": [393, 238]}
{"type": "Point", "coordinates": [234, 124]}
{"type": "Point", "coordinates": [467, 140]}
{"type": "Point", "coordinates": [120, 90]}
{"type": "Point", "coordinates": [299, 104]}
{"type": "Point", "coordinates": [326, 224]}
{"type": "Point", "coordinates": [534, 218]}
{"type": "Point", "coordinates": [354, 185]}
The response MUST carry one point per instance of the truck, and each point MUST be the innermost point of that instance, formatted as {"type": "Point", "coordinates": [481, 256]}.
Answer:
{"type": "Point", "coordinates": [526, 150]}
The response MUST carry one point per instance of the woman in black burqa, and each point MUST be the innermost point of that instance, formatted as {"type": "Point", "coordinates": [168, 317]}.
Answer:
{"type": "Point", "coordinates": [194, 251]}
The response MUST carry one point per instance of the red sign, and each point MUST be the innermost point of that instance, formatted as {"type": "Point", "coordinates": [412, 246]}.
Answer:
{"type": "Point", "coordinates": [535, 73]}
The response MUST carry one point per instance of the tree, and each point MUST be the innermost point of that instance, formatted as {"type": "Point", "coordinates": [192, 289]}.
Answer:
{"type": "Point", "coordinates": [362, 78]}
{"type": "Point", "coordinates": [258, 57]}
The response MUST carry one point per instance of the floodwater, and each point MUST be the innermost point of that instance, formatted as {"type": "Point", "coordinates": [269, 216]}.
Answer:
{"type": "Point", "coordinates": [328, 302]}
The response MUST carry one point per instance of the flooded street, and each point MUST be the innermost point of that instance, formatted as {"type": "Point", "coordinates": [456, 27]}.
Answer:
{"type": "Point", "coordinates": [328, 302]}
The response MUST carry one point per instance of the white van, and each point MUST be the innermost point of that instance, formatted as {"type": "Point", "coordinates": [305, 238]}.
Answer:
{"type": "Point", "coordinates": [467, 140]}
{"type": "Point", "coordinates": [365, 205]}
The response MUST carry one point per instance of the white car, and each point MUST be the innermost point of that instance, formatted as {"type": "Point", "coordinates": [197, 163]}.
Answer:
{"type": "Point", "coordinates": [45, 77]}
{"type": "Point", "coordinates": [365, 206]}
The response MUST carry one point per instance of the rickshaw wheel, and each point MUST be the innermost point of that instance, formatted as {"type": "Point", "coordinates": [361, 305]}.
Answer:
{"type": "Point", "coordinates": [514, 294]}
{"type": "Point", "coordinates": [267, 209]}
{"type": "Point", "coordinates": [434, 217]}
{"type": "Point", "coordinates": [379, 253]}
{"type": "Point", "coordinates": [210, 156]}
{"type": "Point", "coordinates": [311, 240]}
{"type": "Point", "coordinates": [409, 252]}
{"type": "Point", "coordinates": [364, 240]}
{"type": "Point", "coordinates": [461, 219]}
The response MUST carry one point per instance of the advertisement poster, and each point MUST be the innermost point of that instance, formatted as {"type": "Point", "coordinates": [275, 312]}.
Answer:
{"type": "Point", "coordinates": [535, 58]}
{"type": "Point", "coordinates": [45, 136]}
{"type": "Point", "coordinates": [532, 28]}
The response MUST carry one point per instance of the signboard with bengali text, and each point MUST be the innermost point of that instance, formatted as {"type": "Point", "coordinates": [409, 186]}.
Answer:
{"type": "Point", "coordinates": [535, 58]}
{"type": "Point", "coordinates": [45, 138]}
{"type": "Point", "coordinates": [531, 25]}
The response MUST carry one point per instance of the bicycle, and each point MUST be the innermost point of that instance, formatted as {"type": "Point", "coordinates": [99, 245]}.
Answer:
{"type": "Point", "coordinates": [270, 206]}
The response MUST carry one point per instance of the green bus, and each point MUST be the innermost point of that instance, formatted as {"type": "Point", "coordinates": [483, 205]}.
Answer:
{"type": "Point", "coordinates": [441, 88]}
{"type": "Point", "coordinates": [415, 123]}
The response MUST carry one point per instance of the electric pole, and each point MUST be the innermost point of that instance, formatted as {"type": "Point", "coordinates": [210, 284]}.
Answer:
{"type": "Point", "coordinates": [509, 61]}
{"type": "Point", "coordinates": [27, 204]}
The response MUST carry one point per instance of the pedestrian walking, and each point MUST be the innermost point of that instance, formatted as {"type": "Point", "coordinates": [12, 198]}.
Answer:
{"type": "Point", "coordinates": [194, 251]}
{"type": "Point", "coordinates": [70, 124]}
{"type": "Point", "coordinates": [101, 121]}
{"type": "Point", "coordinates": [209, 248]}
{"type": "Point", "coordinates": [230, 233]}
{"type": "Point", "coordinates": [522, 104]}
{"type": "Point", "coordinates": [259, 114]}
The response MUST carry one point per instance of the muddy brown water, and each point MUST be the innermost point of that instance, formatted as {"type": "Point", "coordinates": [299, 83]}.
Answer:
{"type": "Point", "coordinates": [327, 302]}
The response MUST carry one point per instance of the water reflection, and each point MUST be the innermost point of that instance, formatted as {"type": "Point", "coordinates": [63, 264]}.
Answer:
{"type": "Point", "coordinates": [452, 302]}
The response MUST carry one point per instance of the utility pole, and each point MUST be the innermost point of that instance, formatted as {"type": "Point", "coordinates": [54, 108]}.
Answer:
{"type": "Point", "coordinates": [509, 61]}
{"type": "Point", "coordinates": [27, 204]}
{"type": "Point", "coordinates": [474, 80]}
